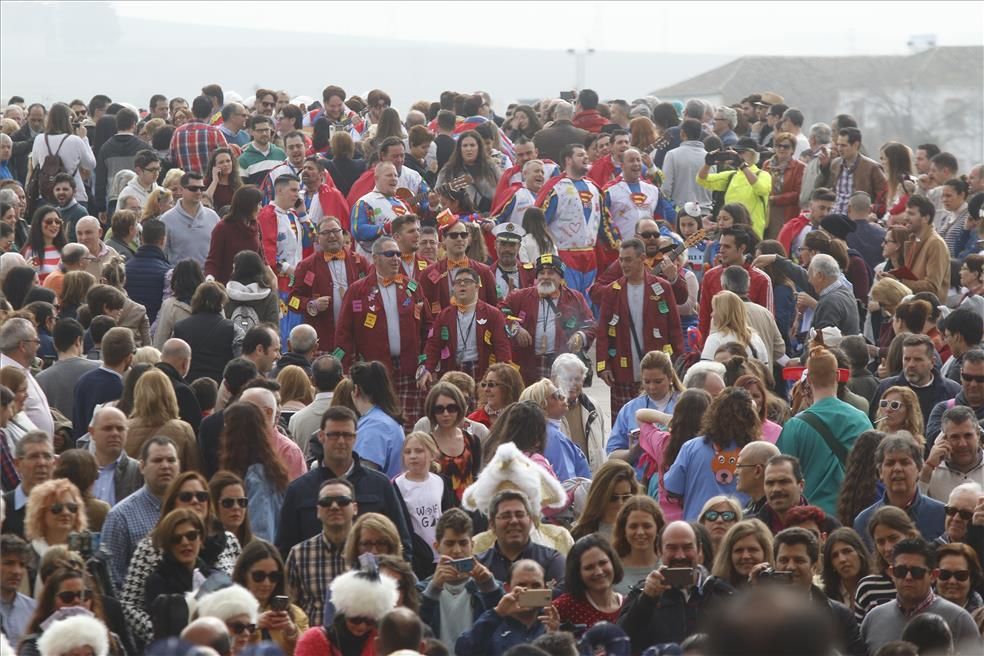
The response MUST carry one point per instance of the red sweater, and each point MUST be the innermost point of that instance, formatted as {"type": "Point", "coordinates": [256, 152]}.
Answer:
{"type": "Point", "coordinates": [228, 238]}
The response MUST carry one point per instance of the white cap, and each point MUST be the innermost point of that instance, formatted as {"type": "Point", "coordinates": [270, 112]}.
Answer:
{"type": "Point", "coordinates": [509, 231]}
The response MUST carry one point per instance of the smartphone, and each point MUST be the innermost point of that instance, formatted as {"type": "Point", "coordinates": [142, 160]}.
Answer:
{"type": "Point", "coordinates": [535, 598]}
{"type": "Point", "coordinates": [678, 577]}
{"type": "Point", "coordinates": [634, 437]}
{"type": "Point", "coordinates": [464, 564]}
{"type": "Point", "coordinates": [279, 603]}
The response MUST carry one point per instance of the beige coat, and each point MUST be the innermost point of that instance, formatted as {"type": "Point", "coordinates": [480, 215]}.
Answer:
{"type": "Point", "coordinates": [928, 257]}
{"type": "Point", "coordinates": [178, 430]}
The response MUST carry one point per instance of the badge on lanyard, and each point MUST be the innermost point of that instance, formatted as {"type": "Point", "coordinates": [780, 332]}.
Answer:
{"type": "Point", "coordinates": [370, 320]}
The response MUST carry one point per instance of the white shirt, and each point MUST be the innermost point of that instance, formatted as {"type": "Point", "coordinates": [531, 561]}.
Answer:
{"type": "Point", "coordinates": [546, 329]}
{"type": "Point", "coordinates": [466, 349]}
{"type": "Point", "coordinates": [636, 297]}
{"type": "Point", "coordinates": [75, 154]}
{"type": "Point", "coordinates": [339, 285]}
{"type": "Point", "coordinates": [388, 296]}
{"type": "Point", "coordinates": [36, 406]}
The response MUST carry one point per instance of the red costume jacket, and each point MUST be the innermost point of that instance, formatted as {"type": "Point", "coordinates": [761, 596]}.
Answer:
{"type": "Point", "coordinates": [361, 333]}
{"type": "Point", "coordinates": [574, 315]}
{"type": "Point", "coordinates": [604, 171]}
{"type": "Point", "coordinates": [660, 330]}
{"type": "Point", "coordinates": [527, 275]}
{"type": "Point", "coordinates": [491, 341]}
{"type": "Point", "coordinates": [614, 272]}
{"type": "Point", "coordinates": [759, 291]}
{"type": "Point", "coordinates": [434, 283]}
{"type": "Point", "coordinates": [313, 279]}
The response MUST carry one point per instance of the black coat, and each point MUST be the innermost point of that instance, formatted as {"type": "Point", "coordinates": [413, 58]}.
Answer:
{"type": "Point", "coordinates": [210, 337]}
{"type": "Point", "coordinates": [23, 145]}
{"type": "Point", "coordinates": [145, 278]}
{"type": "Point", "coordinates": [14, 521]}
{"type": "Point", "coordinates": [848, 638]}
{"type": "Point", "coordinates": [188, 407]}
{"type": "Point", "coordinates": [170, 577]}
{"type": "Point", "coordinates": [209, 434]}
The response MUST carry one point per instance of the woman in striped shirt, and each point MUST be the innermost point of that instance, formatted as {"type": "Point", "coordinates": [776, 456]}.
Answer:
{"type": "Point", "coordinates": [45, 242]}
{"type": "Point", "coordinates": [888, 526]}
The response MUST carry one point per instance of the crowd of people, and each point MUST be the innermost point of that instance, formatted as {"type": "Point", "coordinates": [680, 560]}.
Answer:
{"type": "Point", "coordinates": [307, 377]}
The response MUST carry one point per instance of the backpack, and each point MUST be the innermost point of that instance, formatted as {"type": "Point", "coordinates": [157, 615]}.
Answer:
{"type": "Point", "coordinates": [243, 318]}
{"type": "Point", "coordinates": [50, 167]}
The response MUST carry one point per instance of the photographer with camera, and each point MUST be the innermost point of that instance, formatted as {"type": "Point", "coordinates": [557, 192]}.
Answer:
{"type": "Point", "coordinates": [748, 185]}
{"type": "Point", "coordinates": [797, 554]}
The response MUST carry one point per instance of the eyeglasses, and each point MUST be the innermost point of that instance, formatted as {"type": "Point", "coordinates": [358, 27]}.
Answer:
{"type": "Point", "coordinates": [901, 571]}
{"type": "Point", "coordinates": [460, 234]}
{"type": "Point", "coordinates": [153, 170]}
{"type": "Point", "coordinates": [231, 502]}
{"type": "Point", "coordinates": [390, 254]}
{"type": "Point", "coordinates": [235, 628]}
{"type": "Point", "coordinates": [268, 104]}
{"type": "Point", "coordinates": [784, 146]}
{"type": "Point", "coordinates": [970, 378]}
{"type": "Point", "coordinates": [260, 577]}
{"type": "Point", "coordinates": [333, 231]}
{"type": "Point", "coordinates": [621, 498]}
{"type": "Point", "coordinates": [369, 545]}
{"type": "Point", "coordinates": [196, 188]}
{"type": "Point", "coordinates": [191, 536]}
{"type": "Point", "coordinates": [488, 383]}
{"type": "Point", "coordinates": [187, 497]}
{"type": "Point", "coordinates": [965, 515]}
{"type": "Point", "coordinates": [465, 281]}
{"type": "Point", "coordinates": [451, 409]}
{"type": "Point", "coordinates": [649, 234]}
{"type": "Point", "coordinates": [893, 405]}
{"type": "Point", "coordinates": [71, 596]}
{"type": "Point", "coordinates": [361, 621]}
{"type": "Point", "coordinates": [725, 516]}
{"type": "Point", "coordinates": [57, 508]}
{"type": "Point", "coordinates": [343, 501]}
{"type": "Point", "coordinates": [339, 435]}
{"type": "Point", "coordinates": [959, 574]}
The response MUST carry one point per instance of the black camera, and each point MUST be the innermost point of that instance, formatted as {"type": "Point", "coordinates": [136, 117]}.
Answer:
{"type": "Point", "coordinates": [86, 543]}
{"type": "Point", "coordinates": [776, 576]}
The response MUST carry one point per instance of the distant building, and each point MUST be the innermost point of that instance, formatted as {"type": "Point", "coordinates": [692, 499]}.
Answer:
{"type": "Point", "coordinates": [936, 95]}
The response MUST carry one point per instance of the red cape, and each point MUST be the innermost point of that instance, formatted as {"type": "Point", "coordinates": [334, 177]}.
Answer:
{"type": "Point", "coordinates": [362, 186]}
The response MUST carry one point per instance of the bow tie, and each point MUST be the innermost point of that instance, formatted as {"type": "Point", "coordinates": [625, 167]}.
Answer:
{"type": "Point", "coordinates": [458, 264]}
{"type": "Point", "coordinates": [407, 258]}
{"type": "Point", "coordinates": [340, 255]}
{"type": "Point", "coordinates": [386, 282]}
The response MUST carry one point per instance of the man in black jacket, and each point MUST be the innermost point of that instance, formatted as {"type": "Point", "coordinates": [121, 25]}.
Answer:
{"type": "Point", "coordinates": [667, 610]}
{"type": "Point", "coordinates": [797, 552]}
{"type": "Point", "coordinates": [175, 362]}
{"type": "Point", "coordinates": [115, 155]}
{"type": "Point", "coordinates": [146, 270]}
{"type": "Point", "coordinates": [24, 141]}
{"type": "Point", "coordinates": [373, 490]}
{"type": "Point", "coordinates": [237, 373]}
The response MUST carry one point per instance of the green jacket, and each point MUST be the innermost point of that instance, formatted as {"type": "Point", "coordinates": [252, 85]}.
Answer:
{"type": "Point", "coordinates": [253, 164]}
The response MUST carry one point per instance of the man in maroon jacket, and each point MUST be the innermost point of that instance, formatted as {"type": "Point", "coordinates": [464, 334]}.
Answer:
{"type": "Point", "coordinates": [510, 274]}
{"type": "Point", "coordinates": [546, 320]}
{"type": "Point", "coordinates": [468, 336]}
{"type": "Point", "coordinates": [385, 317]}
{"type": "Point", "coordinates": [638, 315]}
{"type": "Point", "coordinates": [406, 232]}
{"type": "Point", "coordinates": [437, 278]}
{"type": "Point", "coordinates": [321, 280]}
{"type": "Point", "coordinates": [647, 231]}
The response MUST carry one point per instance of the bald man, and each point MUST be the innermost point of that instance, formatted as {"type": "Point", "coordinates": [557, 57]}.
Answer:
{"type": "Point", "coordinates": [751, 473]}
{"type": "Point", "coordinates": [175, 363]}
{"type": "Point", "coordinates": [74, 257]}
{"type": "Point", "coordinates": [289, 452]}
{"type": "Point", "coordinates": [119, 474]}
{"type": "Point", "coordinates": [373, 213]}
{"type": "Point", "coordinates": [89, 233]}
{"type": "Point", "coordinates": [209, 632]}
{"type": "Point", "coordinates": [400, 630]}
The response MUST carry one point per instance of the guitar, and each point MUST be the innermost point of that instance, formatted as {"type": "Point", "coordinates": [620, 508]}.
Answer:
{"type": "Point", "coordinates": [672, 255]}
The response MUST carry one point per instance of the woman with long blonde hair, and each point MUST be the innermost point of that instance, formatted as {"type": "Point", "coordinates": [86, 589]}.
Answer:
{"type": "Point", "coordinates": [155, 413]}
{"type": "Point", "coordinates": [160, 200]}
{"type": "Point", "coordinates": [745, 545]}
{"type": "Point", "coordinates": [898, 410]}
{"type": "Point", "coordinates": [729, 323]}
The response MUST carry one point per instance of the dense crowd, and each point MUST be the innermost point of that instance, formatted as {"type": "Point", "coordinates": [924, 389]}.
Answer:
{"type": "Point", "coordinates": [305, 376]}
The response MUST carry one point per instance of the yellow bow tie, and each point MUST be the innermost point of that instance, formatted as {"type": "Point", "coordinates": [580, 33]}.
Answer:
{"type": "Point", "coordinates": [459, 264]}
{"type": "Point", "coordinates": [340, 255]}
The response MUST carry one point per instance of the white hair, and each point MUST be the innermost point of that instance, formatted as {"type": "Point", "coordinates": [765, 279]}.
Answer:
{"type": "Point", "coordinates": [563, 110]}
{"type": "Point", "coordinates": [826, 266]}
{"type": "Point", "coordinates": [697, 373]}
{"type": "Point", "coordinates": [14, 331]}
{"type": "Point", "coordinates": [5, 139]}
{"type": "Point", "coordinates": [86, 220]}
{"type": "Point", "coordinates": [303, 338]}
{"type": "Point", "coordinates": [260, 397]}
{"type": "Point", "coordinates": [73, 633]}
{"type": "Point", "coordinates": [729, 115]}
{"type": "Point", "coordinates": [970, 488]}
{"type": "Point", "coordinates": [821, 132]}
{"type": "Point", "coordinates": [567, 372]}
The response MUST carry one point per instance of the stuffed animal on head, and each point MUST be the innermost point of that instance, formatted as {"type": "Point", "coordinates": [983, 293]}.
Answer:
{"type": "Point", "coordinates": [510, 469]}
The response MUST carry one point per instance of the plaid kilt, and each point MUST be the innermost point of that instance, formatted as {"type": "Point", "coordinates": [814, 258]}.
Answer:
{"type": "Point", "coordinates": [540, 369]}
{"type": "Point", "coordinates": [621, 394]}
{"type": "Point", "coordinates": [409, 397]}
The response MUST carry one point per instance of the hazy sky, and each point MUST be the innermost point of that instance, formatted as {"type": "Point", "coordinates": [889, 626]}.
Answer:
{"type": "Point", "coordinates": [771, 28]}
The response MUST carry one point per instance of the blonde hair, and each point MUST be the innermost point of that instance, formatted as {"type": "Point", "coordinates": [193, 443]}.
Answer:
{"type": "Point", "coordinates": [913, 413]}
{"type": "Point", "coordinates": [376, 522]}
{"type": "Point", "coordinates": [539, 392]}
{"type": "Point", "coordinates": [295, 385]}
{"type": "Point", "coordinates": [721, 498]}
{"type": "Point", "coordinates": [660, 360]}
{"type": "Point", "coordinates": [75, 285]}
{"type": "Point", "coordinates": [43, 496]}
{"type": "Point", "coordinates": [147, 355]}
{"type": "Point", "coordinates": [728, 315]}
{"type": "Point", "coordinates": [888, 293]}
{"type": "Point", "coordinates": [724, 566]}
{"type": "Point", "coordinates": [426, 440]}
{"type": "Point", "coordinates": [154, 401]}
{"type": "Point", "coordinates": [152, 206]}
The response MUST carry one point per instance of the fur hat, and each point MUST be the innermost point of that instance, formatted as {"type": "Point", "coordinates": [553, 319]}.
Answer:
{"type": "Point", "coordinates": [229, 602]}
{"type": "Point", "coordinates": [359, 593]}
{"type": "Point", "coordinates": [509, 469]}
{"type": "Point", "coordinates": [78, 631]}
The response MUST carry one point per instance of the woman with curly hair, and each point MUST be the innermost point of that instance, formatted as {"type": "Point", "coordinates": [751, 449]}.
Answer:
{"type": "Point", "coordinates": [898, 409]}
{"type": "Point", "coordinates": [635, 539]}
{"type": "Point", "coordinates": [55, 508]}
{"type": "Point", "coordinates": [861, 486]}
{"type": "Point", "coordinates": [661, 447]}
{"type": "Point", "coordinates": [846, 560]}
{"type": "Point", "coordinates": [501, 387]}
{"type": "Point", "coordinates": [763, 399]}
{"type": "Point", "coordinates": [245, 451]}
{"type": "Point", "coordinates": [706, 467]}
{"type": "Point", "coordinates": [471, 159]}
{"type": "Point", "coordinates": [746, 544]}
{"type": "Point", "coordinates": [613, 484]}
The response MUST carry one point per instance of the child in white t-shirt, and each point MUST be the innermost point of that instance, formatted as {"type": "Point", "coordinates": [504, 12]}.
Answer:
{"type": "Point", "coordinates": [423, 491]}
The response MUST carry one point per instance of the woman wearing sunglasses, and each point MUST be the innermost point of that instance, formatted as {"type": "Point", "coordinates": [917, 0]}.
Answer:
{"type": "Point", "coordinates": [501, 387]}
{"type": "Point", "coordinates": [45, 242]}
{"type": "Point", "coordinates": [219, 549]}
{"type": "Point", "coordinates": [178, 537]}
{"type": "Point", "coordinates": [459, 450]}
{"type": "Point", "coordinates": [54, 509]}
{"type": "Point", "coordinates": [261, 571]}
{"type": "Point", "coordinates": [614, 483]}
{"type": "Point", "coordinates": [718, 515]}
{"type": "Point", "coordinates": [898, 410]}
{"type": "Point", "coordinates": [66, 588]}
{"type": "Point", "coordinates": [228, 494]}
{"type": "Point", "coordinates": [960, 576]}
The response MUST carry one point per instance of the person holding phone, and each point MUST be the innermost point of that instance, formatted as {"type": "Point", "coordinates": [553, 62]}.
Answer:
{"type": "Point", "coordinates": [522, 615]}
{"type": "Point", "coordinates": [261, 571]}
{"type": "Point", "coordinates": [442, 607]}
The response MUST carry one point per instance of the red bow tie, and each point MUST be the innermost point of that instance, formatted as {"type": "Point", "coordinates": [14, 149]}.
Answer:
{"type": "Point", "coordinates": [459, 264]}
{"type": "Point", "coordinates": [340, 255]}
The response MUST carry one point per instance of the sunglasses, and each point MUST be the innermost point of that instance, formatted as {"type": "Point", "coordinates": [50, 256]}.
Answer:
{"type": "Point", "coordinates": [196, 188]}
{"type": "Point", "coordinates": [901, 571]}
{"type": "Point", "coordinates": [451, 408]}
{"type": "Point", "coordinates": [488, 383]}
{"type": "Point", "coordinates": [456, 235]}
{"type": "Point", "coordinates": [342, 501]}
{"type": "Point", "coordinates": [390, 254]}
{"type": "Point", "coordinates": [52, 221]}
{"type": "Point", "coordinates": [960, 574]}
{"type": "Point", "coordinates": [235, 628]}
{"type": "Point", "coordinates": [191, 536]}
{"type": "Point", "coordinates": [649, 234]}
{"type": "Point", "coordinates": [620, 497]}
{"type": "Point", "coordinates": [57, 508]}
{"type": "Point", "coordinates": [231, 502]}
{"type": "Point", "coordinates": [188, 497]}
{"type": "Point", "coordinates": [338, 435]}
{"type": "Point", "coordinates": [893, 405]}
{"type": "Point", "coordinates": [714, 515]}
{"type": "Point", "coordinates": [260, 577]}
{"type": "Point", "coordinates": [361, 621]}
{"type": "Point", "coordinates": [970, 378]}
{"type": "Point", "coordinates": [71, 596]}
{"type": "Point", "coordinates": [965, 515]}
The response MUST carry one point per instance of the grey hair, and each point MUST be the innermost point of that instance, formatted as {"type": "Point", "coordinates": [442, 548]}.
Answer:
{"type": "Point", "coordinates": [31, 437]}
{"type": "Point", "coordinates": [694, 109]}
{"type": "Point", "coordinates": [563, 110]}
{"type": "Point", "coordinates": [735, 279]}
{"type": "Point", "coordinates": [697, 375]}
{"type": "Point", "coordinates": [899, 441]}
{"type": "Point", "coordinates": [640, 110]}
{"type": "Point", "coordinates": [958, 414]}
{"type": "Point", "coordinates": [860, 201]}
{"type": "Point", "coordinates": [826, 266]}
{"type": "Point", "coordinates": [8, 196]}
{"type": "Point", "coordinates": [567, 372]}
{"type": "Point", "coordinates": [377, 246]}
{"type": "Point", "coordinates": [87, 220]}
{"type": "Point", "coordinates": [729, 114]}
{"type": "Point", "coordinates": [14, 331]}
{"type": "Point", "coordinates": [531, 163]}
{"type": "Point", "coordinates": [821, 132]}
{"type": "Point", "coordinates": [73, 253]}
{"type": "Point", "coordinates": [966, 488]}
{"type": "Point", "coordinates": [5, 139]}
{"type": "Point", "coordinates": [303, 338]}
{"type": "Point", "coordinates": [974, 355]}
